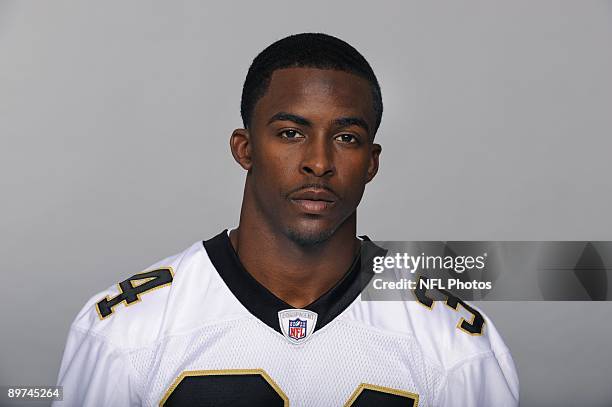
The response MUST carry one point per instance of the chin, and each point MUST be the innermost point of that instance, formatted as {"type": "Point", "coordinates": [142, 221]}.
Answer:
{"type": "Point", "coordinates": [313, 236]}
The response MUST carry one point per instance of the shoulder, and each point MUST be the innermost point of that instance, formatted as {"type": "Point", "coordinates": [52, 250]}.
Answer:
{"type": "Point", "coordinates": [448, 332]}
{"type": "Point", "coordinates": [142, 308]}
{"type": "Point", "coordinates": [455, 331]}
{"type": "Point", "coordinates": [466, 343]}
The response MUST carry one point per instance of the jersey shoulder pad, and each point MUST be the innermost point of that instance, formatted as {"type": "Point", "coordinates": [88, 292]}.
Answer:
{"type": "Point", "coordinates": [131, 313]}
{"type": "Point", "coordinates": [453, 330]}
{"type": "Point", "coordinates": [446, 332]}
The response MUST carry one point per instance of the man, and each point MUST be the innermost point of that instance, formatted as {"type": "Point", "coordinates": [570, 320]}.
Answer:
{"type": "Point", "coordinates": [269, 313]}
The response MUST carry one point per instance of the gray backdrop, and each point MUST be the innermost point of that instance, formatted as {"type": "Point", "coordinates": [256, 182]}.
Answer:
{"type": "Point", "coordinates": [114, 125]}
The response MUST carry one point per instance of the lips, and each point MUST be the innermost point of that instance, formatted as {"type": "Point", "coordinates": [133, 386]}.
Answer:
{"type": "Point", "coordinates": [314, 200]}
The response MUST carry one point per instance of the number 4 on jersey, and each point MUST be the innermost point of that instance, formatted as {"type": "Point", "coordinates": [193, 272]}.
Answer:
{"type": "Point", "coordinates": [131, 289]}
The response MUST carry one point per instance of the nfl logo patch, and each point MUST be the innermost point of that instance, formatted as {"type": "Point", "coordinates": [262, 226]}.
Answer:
{"type": "Point", "coordinates": [297, 329]}
{"type": "Point", "coordinates": [297, 324]}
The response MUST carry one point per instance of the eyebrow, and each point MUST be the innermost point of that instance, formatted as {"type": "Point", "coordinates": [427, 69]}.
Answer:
{"type": "Point", "coordinates": [340, 122]}
{"type": "Point", "coordinates": [352, 121]}
{"type": "Point", "coordinates": [284, 116]}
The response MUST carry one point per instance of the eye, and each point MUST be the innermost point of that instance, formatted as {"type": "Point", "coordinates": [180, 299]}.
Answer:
{"type": "Point", "coordinates": [290, 134]}
{"type": "Point", "coordinates": [347, 138]}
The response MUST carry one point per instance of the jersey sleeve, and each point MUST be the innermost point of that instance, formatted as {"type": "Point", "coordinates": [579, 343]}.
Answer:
{"type": "Point", "coordinates": [486, 380]}
{"type": "Point", "coordinates": [94, 373]}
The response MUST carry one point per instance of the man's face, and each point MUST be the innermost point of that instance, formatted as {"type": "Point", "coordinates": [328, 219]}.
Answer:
{"type": "Point", "coordinates": [311, 150]}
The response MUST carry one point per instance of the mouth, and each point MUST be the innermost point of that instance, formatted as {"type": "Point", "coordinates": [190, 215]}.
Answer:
{"type": "Point", "coordinates": [311, 206]}
{"type": "Point", "coordinates": [314, 200]}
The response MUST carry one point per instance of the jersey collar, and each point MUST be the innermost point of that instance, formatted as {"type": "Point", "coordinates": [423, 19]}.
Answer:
{"type": "Point", "coordinates": [264, 305]}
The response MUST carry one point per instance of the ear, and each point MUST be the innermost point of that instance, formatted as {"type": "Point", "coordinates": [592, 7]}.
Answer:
{"type": "Point", "coordinates": [240, 144]}
{"type": "Point", "coordinates": [373, 167]}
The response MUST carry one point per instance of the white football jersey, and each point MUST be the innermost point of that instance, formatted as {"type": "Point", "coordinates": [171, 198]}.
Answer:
{"type": "Point", "coordinates": [196, 329]}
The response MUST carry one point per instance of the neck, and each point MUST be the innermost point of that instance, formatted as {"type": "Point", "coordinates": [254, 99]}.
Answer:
{"type": "Point", "coordinates": [296, 274]}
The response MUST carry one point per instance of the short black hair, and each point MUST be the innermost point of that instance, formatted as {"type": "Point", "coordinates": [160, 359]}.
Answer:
{"type": "Point", "coordinates": [308, 50]}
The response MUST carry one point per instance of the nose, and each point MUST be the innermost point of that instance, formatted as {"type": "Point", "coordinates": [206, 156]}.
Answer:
{"type": "Point", "coordinates": [318, 159]}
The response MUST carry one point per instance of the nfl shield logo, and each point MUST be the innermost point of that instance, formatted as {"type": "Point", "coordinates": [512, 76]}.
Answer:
{"type": "Point", "coordinates": [297, 328]}
{"type": "Point", "coordinates": [297, 324]}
